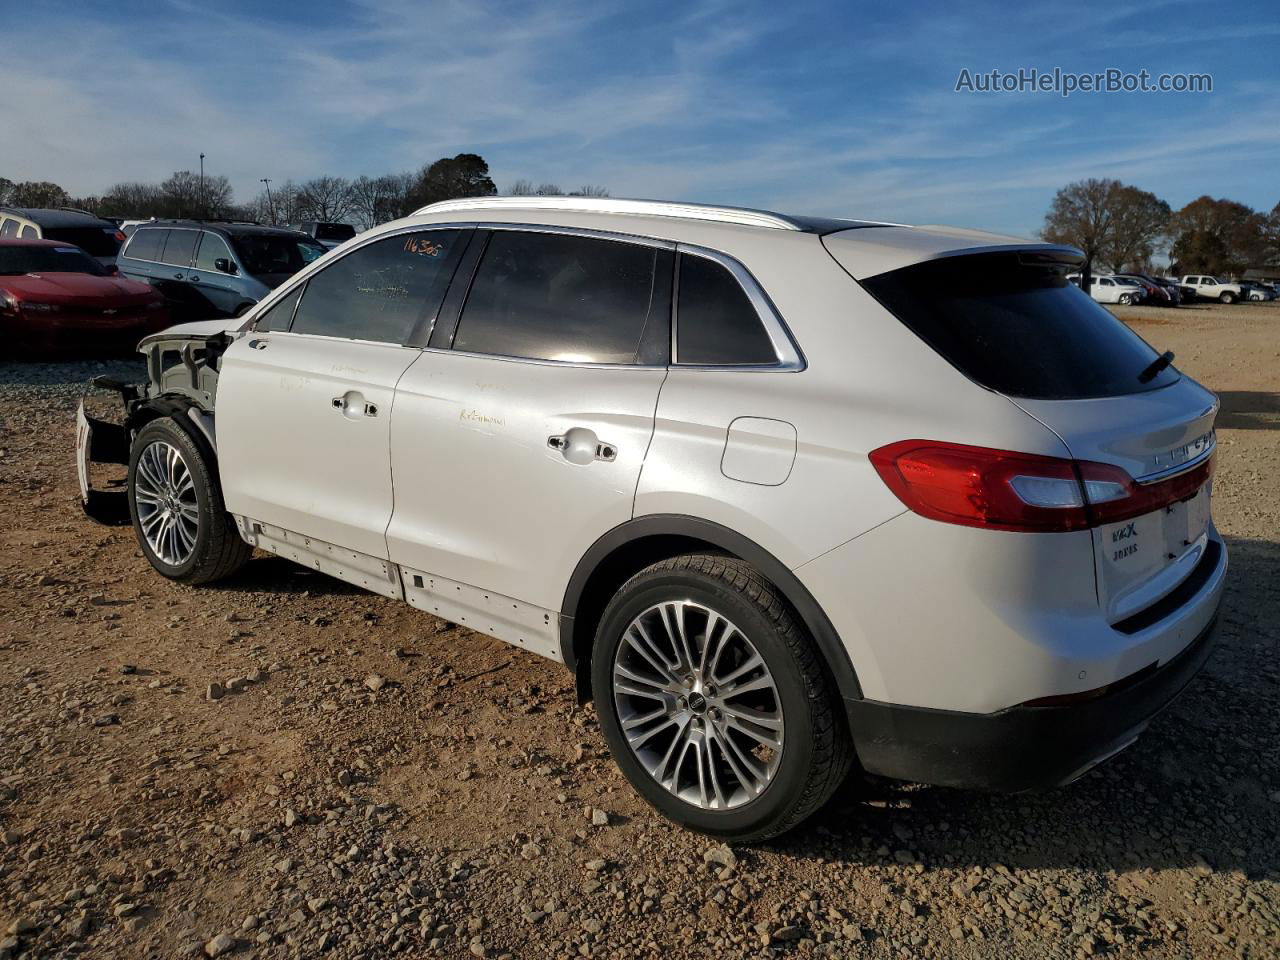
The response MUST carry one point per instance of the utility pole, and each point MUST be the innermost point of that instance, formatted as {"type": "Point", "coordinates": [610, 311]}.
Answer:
{"type": "Point", "coordinates": [204, 212]}
{"type": "Point", "coordinates": [271, 207]}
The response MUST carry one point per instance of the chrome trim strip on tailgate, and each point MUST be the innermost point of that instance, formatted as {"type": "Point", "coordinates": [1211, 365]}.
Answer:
{"type": "Point", "coordinates": [1186, 465]}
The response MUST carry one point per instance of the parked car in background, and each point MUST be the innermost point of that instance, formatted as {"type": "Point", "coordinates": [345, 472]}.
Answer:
{"type": "Point", "coordinates": [329, 234]}
{"type": "Point", "coordinates": [55, 298]}
{"type": "Point", "coordinates": [1156, 294]}
{"type": "Point", "coordinates": [1257, 291]}
{"type": "Point", "coordinates": [1211, 288]}
{"type": "Point", "coordinates": [1106, 288]}
{"type": "Point", "coordinates": [208, 269]}
{"type": "Point", "coordinates": [638, 439]}
{"type": "Point", "coordinates": [95, 236]}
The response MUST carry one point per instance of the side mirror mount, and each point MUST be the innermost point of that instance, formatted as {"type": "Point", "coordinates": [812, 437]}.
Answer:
{"type": "Point", "coordinates": [225, 265]}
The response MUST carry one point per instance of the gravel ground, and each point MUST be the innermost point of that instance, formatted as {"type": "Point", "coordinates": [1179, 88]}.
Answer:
{"type": "Point", "coordinates": [281, 766]}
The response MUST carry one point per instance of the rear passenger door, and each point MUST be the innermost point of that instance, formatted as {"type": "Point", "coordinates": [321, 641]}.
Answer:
{"type": "Point", "coordinates": [305, 401]}
{"type": "Point", "coordinates": [518, 436]}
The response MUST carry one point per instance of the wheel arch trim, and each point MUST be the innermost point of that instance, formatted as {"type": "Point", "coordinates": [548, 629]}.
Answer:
{"type": "Point", "coordinates": [678, 526]}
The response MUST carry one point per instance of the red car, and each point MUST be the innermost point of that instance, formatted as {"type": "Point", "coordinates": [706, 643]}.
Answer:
{"type": "Point", "coordinates": [55, 298]}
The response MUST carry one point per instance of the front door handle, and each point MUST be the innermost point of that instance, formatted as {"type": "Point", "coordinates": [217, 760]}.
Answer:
{"type": "Point", "coordinates": [177, 276]}
{"type": "Point", "coordinates": [581, 446]}
{"type": "Point", "coordinates": [352, 405]}
{"type": "Point", "coordinates": [259, 344]}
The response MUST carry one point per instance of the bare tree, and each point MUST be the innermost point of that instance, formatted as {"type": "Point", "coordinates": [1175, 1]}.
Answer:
{"type": "Point", "coordinates": [590, 190]}
{"type": "Point", "coordinates": [1139, 224]}
{"type": "Point", "coordinates": [376, 200]}
{"type": "Point", "coordinates": [183, 194]}
{"type": "Point", "coordinates": [37, 193]}
{"type": "Point", "coordinates": [324, 199]}
{"type": "Point", "coordinates": [522, 188]}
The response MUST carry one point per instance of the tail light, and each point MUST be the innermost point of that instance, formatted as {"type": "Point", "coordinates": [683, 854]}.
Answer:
{"type": "Point", "coordinates": [8, 304]}
{"type": "Point", "coordinates": [120, 237]}
{"type": "Point", "coordinates": [1003, 490]}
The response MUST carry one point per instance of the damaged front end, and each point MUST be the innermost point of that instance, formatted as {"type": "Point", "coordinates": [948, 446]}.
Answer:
{"type": "Point", "coordinates": [182, 382]}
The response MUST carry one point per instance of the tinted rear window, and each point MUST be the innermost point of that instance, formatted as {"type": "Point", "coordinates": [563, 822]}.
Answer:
{"type": "Point", "coordinates": [181, 247]}
{"type": "Point", "coordinates": [1017, 326]}
{"type": "Point", "coordinates": [335, 231]}
{"type": "Point", "coordinates": [95, 241]}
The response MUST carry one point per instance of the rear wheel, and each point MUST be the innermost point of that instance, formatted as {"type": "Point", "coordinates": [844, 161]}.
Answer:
{"type": "Point", "coordinates": [714, 702]}
{"type": "Point", "coordinates": [176, 506]}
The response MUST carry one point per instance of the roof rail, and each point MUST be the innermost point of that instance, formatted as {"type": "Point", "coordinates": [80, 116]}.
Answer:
{"type": "Point", "coordinates": [641, 208]}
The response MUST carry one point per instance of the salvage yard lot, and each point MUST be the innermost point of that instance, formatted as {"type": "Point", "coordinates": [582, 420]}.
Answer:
{"type": "Point", "coordinates": [376, 781]}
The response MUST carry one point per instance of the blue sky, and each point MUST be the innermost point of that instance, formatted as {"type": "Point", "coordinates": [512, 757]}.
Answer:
{"type": "Point", "coordinates": [835, 108]}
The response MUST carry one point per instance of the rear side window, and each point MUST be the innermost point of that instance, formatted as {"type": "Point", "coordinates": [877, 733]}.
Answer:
{"type": "Point", "coordinates": [1013, 323]}
{"type": "Point", "coordinates": [382, 290]}
{"type": "Point", "coordinates": [28, 232]}
{"type": "Point", "coordinates": [548, 296]}
{"type": "Point", "coordinates": [716, 322]}
{"type": "Point", "coordinates": [180, 247]}
{"type": "Point", "coordinates": [146, 244]}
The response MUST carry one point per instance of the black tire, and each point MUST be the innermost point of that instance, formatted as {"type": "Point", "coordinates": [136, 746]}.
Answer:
{"type": "Point", "coordinates": [218, 549]}
{"type": "Point", "coordinates": [816, 751]}
{"type": "Point", "coordinates": [1126, 298]}
{"type": "Point", "coordinates": [1228, 297]}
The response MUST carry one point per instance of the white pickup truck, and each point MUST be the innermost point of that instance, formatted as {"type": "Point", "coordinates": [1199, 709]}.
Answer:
{"type": "Point", "coordinates": [1211, 288]}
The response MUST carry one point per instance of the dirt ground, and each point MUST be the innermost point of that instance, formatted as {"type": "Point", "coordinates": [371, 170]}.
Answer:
{"type": "Point", "coordinates": [377, 782]}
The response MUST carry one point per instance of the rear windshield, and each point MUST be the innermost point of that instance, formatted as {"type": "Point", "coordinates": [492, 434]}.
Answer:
{"type": "Point", "coordinates": [1017, 326]}
{"type": "Point", "coordinates": [335, 231]}
{"type": "Point", "coordinates": [15, 261]}
{"type": "Point", "coordinates": [95, 241]}
{"type": "Point", "coordinates": [264, 253]}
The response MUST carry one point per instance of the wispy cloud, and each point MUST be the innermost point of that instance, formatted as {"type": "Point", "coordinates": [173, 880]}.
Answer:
{"type": "Point", "coordinates": [812, 107]}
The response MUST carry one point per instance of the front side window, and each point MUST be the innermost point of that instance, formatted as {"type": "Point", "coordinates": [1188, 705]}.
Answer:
{"type": "Point", "coordinates": [280, 314]}
{"type": "Point", "coordinates": [212, 248]}
{"type": "Point", "coordinates": [716, 323]}
{"type": "Point", "coordinates": [550, 296]}
{"type": "Point", "coordinates": [380, 291]}
{"type": "Point", "coordinates": [180, 247]}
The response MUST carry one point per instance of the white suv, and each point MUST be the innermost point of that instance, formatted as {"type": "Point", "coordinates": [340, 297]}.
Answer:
{"type": "Point", "coordinates": [788, 494]}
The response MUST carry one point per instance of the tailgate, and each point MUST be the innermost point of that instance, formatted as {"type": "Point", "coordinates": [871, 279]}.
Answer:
{"type": "Point", "coordinates": [1155, 437]}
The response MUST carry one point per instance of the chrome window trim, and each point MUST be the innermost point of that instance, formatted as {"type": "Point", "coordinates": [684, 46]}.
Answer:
{"type": "Point", "coordinates": [790, 359]}
{"type": "Point", "coordinates": [612, 235]}
{"type": "Point", "coordinates": [546, 363]}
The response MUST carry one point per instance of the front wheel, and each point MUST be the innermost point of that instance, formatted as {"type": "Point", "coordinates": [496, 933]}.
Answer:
{"type": "Point", "coordinates": [1126, 298]}
{"type": "Point", "coordinates": [714, 701]}
{"type": "Point", "coordinates": [1228, 298]}
{"type": "Point", "coordinates": [176, 506]}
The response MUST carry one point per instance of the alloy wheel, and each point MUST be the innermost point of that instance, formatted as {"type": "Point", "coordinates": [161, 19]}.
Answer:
{"type": "Point", "coordinates": [165, 497]}
{"type": "Point", "coordinates": [698, 705]}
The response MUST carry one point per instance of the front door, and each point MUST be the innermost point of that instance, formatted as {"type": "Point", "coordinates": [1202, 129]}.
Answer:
{"type": "Point", "coordinates": [304, 406]}
{"type": "Point", "coordinates": [217, 289]}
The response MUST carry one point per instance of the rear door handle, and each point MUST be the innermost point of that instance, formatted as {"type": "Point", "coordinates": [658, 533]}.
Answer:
{"type": "Point", "coordinates": [353, 405]}
{"type": "Point", "coordinates": [177, 276]}
{"type": "Point", "coordinates": [260, 344]}
{"type": "Point", "coordinates": [581, 446]}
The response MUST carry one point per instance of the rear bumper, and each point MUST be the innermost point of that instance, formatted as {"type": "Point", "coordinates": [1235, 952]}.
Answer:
{"type": "Point", "coordinates": [1022, 748]}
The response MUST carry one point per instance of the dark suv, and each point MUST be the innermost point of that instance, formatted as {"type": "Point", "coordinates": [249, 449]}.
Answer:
{"type": "Point", "coordinates": [208, 269]}
{"type": "Point", "coordinates": [97, 237]}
